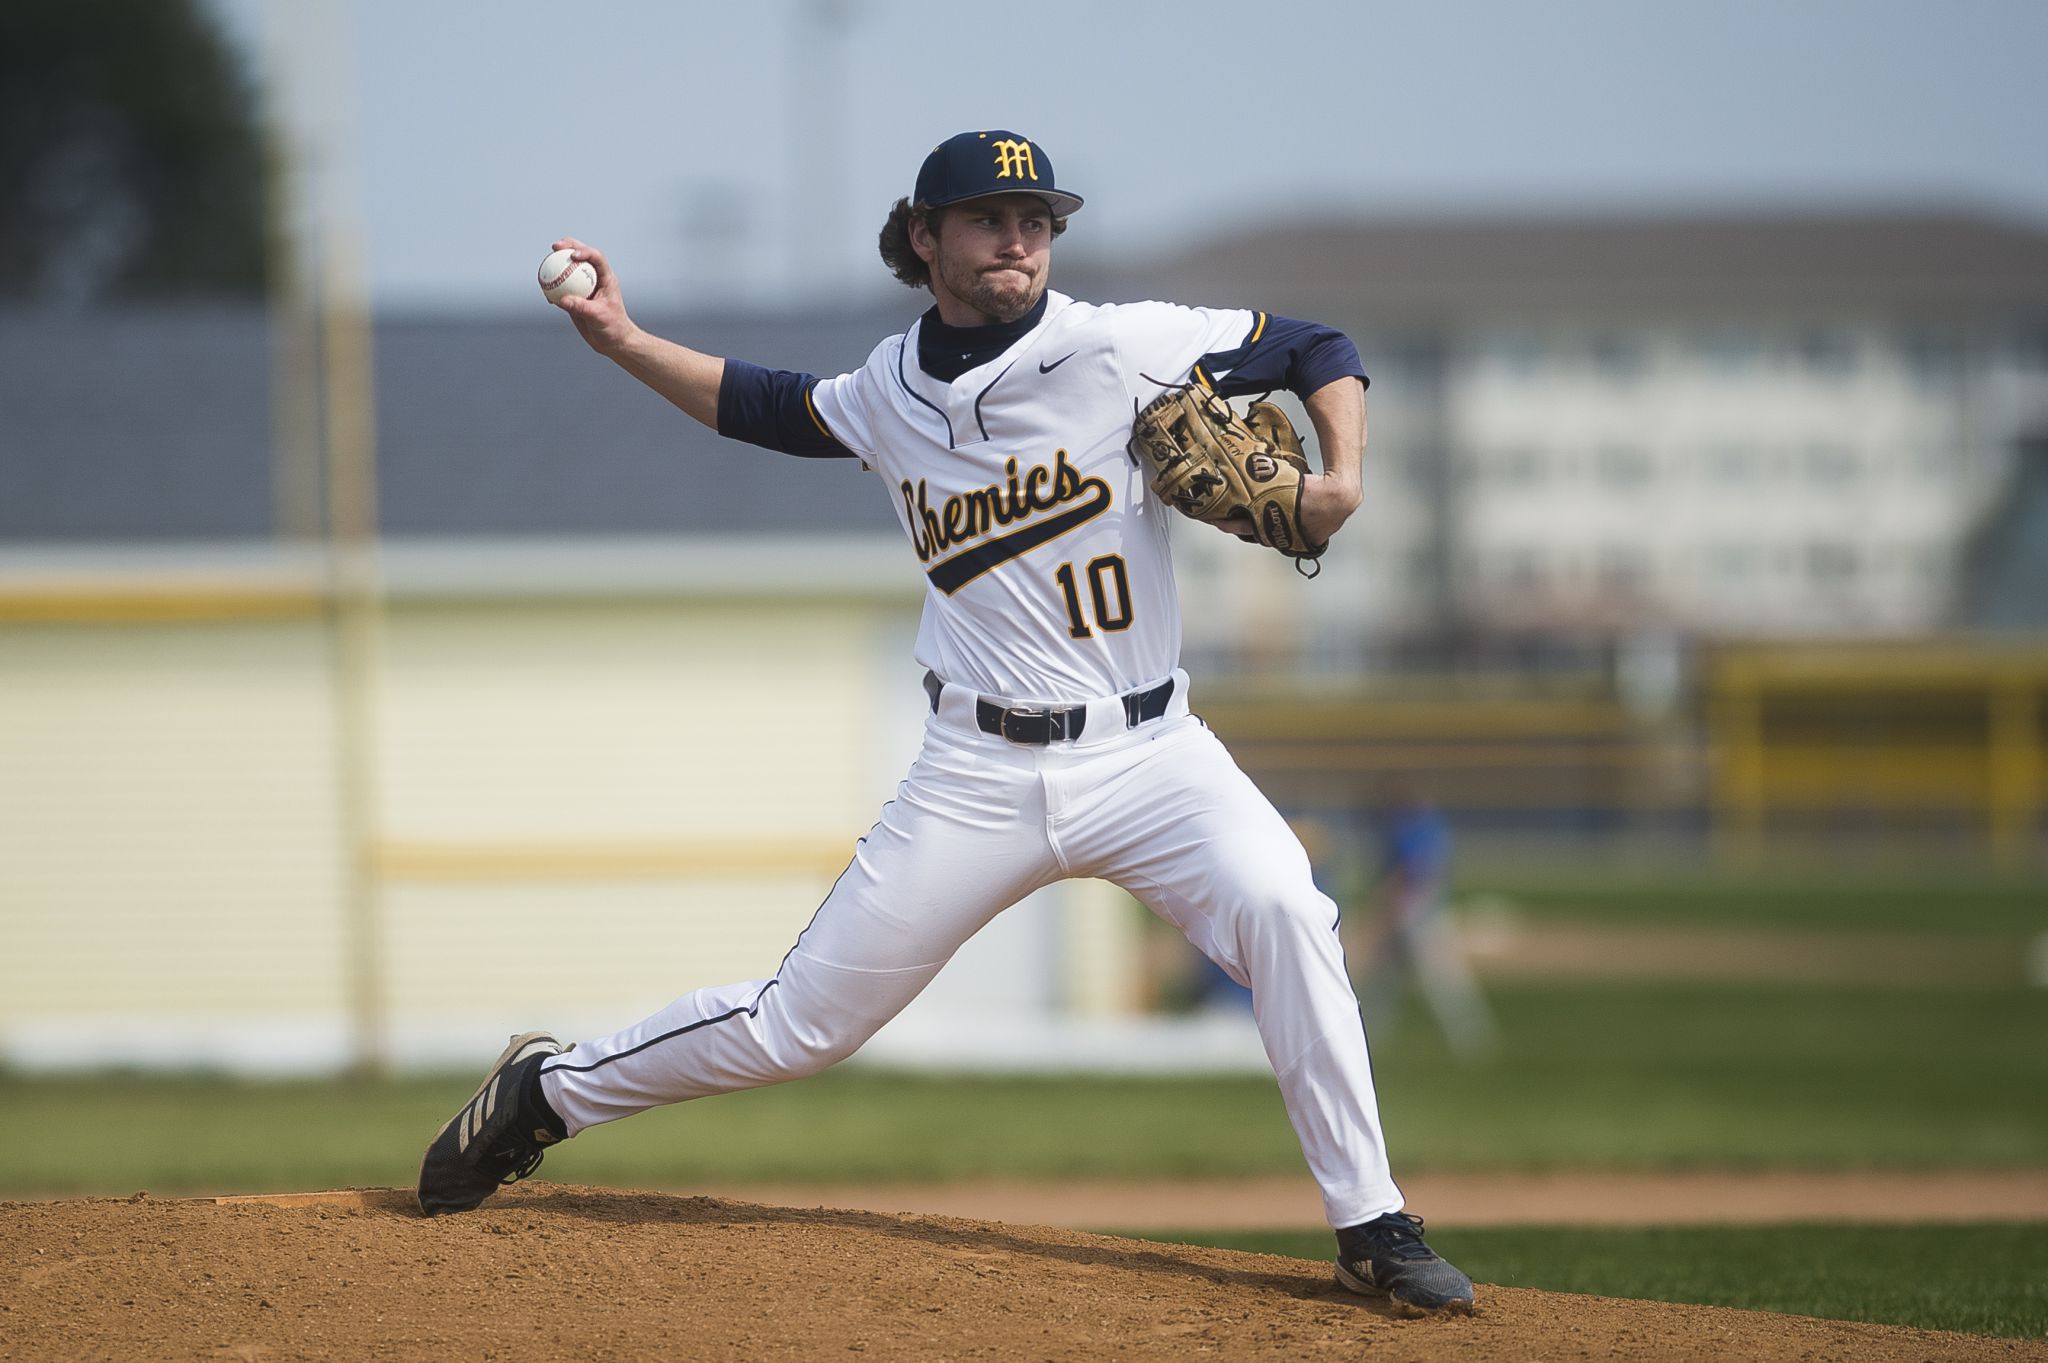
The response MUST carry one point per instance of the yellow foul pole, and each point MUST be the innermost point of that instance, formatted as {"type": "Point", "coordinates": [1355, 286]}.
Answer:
{"type": "Point", "coordinates": [326, 455]}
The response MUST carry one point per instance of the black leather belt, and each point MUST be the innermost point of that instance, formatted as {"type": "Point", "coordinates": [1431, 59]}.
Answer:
{"type": "Point", "coordinates": [1031, 725]}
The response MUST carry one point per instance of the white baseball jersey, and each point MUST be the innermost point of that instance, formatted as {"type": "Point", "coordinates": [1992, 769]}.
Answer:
{"type": "Point", "coordinates": [1047, 567]}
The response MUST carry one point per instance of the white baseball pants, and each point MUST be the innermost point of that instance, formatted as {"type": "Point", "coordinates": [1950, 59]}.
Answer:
{"type": "Point", "coordinates": [1160, 810]}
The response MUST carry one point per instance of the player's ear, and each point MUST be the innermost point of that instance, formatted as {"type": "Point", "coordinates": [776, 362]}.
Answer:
{"type": "Point", "coordinates": [924, 238]}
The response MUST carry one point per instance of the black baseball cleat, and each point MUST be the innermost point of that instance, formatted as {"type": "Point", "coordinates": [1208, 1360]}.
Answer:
{"type": "Point", "coordinates": [498, 1136]}
{"type": "Point", "coordinates": [1385, 1257]}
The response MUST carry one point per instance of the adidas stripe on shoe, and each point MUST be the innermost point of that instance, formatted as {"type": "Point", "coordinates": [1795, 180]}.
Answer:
{"type": "Point", "coordinates": [496, 1138]}
{"type": "Point", "coordinates": [1386, 1257]}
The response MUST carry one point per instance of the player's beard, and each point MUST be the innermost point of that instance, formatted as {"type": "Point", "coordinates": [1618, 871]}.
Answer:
{"type": "Point", "coordinates": [997, 294]}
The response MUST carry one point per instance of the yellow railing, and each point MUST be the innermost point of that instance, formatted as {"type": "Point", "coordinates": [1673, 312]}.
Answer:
{"type": "Point", "coordinates": [502, 862]}
{"type": "Point", "coordinates": [1496, 753]}
{"type": "Point", "coordinates": [1883, 728]}
{"type": "Point", "coordinates": [1787, 735]}
{"type": "Point", "coordinates": [183, 602]}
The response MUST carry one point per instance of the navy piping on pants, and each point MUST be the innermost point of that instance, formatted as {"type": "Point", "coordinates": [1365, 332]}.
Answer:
{"type": "Point", "coordinates": [751, 1010]}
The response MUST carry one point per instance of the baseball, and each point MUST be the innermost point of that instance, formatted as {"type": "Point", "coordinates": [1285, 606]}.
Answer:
{"type": "Point", "coordinates": [563, 276]}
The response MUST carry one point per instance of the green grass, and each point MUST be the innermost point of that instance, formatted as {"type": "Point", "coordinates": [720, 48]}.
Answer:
{"type": "Point", "coordinates": [1696, 1075]}
{"type": "Point", "coordinates": [1629, 1077]}
{"type": "Point", "coordinates": [1963, 904]}
{"type": "Point", "coordinates": [1983, 1279]}
{"type": "Point", "coordinates": [119, 1134]}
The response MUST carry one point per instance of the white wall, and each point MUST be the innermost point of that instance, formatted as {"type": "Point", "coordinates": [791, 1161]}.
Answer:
{"type": "Point", "coordinates": [581, 807]}
{"type": "Point", "coordinates": [549, 778]}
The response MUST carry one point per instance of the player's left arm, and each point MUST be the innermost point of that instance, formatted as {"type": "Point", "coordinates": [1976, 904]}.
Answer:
{"type": "Point", "coordinates": [1337, 410]}
{"type": "Point", "coordinates": [1319, 365]}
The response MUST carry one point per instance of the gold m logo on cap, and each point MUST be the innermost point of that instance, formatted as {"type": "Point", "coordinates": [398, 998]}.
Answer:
{"type": "Point", "coordinates": [1013, 161]}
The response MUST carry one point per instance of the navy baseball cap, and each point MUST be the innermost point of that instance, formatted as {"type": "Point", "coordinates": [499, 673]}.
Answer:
{"type": "Point", "coordinates": [969, 165]}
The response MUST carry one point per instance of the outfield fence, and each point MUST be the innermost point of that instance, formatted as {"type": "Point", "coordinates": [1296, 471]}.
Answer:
{"type": "Point", "coordinates": [592, 795]}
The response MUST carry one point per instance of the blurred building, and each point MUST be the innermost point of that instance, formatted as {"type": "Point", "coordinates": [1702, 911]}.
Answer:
{"type": "Point", "coordinates": [1793, 426]}
{"type": "Point", "coordinates": [1811, 426]}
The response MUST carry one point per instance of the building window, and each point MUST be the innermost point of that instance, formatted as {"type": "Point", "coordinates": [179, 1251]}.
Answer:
{"type": "Point", "coordinates": [1831, 463]}
{"type": "Point", "coordinates": [1519, 466]}
{"type": "Point", "coordinates": [1618, 358]}
{"type": "Point", "coordinates": [1623, 568]}
{"type": "Point", "coordinates": [1732, 564]}
{"type": "Point", "coordinates": [1734, 463]}
{"type": "Point", "coordinates": [1935, 356]}
{"type": "Point", "coordinates": [1519, 354]}
{"type": "Point", "coordinates": [1623, 466]}
{"type": "Point", "coordinates": [1935, 463]}
{"type": "Point", "coordinates": [1524, 568]}
{"type": "Point", "coordinates": [1729, 349]}
{"type": "Point", "coordinates": [1418, 469]}
{"type": "Point", "coordinates": [1828, 351]}
{"type": "Point", "coordinates": [1830, 563]}
{"type": "Point", "coordinates": [2030, 349]}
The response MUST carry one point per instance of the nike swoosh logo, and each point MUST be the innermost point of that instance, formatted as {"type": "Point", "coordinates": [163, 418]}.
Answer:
{"type": "Point", "coordinates": [1048, 368]}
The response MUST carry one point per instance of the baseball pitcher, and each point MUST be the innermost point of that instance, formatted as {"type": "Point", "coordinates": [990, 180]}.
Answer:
{"type": "Point", "coordinates": [1036, 450]}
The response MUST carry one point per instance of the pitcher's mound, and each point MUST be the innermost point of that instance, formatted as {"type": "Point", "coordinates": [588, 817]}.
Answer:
{"type": "Point", "coordinates": [556, 1272]}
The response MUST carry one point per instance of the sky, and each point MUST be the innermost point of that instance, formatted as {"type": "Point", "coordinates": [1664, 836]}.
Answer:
{"type": "Point", "coordinates": [744, 154]}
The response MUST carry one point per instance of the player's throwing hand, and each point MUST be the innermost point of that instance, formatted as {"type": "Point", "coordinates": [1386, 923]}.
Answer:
{"type": "Point", "coordinates": [601, 318]}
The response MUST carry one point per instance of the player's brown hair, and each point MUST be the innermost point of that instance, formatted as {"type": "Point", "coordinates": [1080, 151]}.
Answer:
{"type": "Point", "coordinates": [901, 257]}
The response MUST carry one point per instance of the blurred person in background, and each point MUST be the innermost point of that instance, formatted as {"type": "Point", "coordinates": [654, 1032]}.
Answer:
{"type": "Point", "coordinates": [1413, 935]}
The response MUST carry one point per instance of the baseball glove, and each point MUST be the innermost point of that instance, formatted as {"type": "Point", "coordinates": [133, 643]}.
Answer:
{"type": "Point", "coordinates": [1213, 464]}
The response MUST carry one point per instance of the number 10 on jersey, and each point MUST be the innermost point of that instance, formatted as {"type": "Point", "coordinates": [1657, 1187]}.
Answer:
{"type": "Point", "coordinates": [1109, 591]}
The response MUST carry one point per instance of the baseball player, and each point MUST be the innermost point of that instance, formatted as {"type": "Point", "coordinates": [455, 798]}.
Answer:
{"type": "Point", "coordinates": [1059, 741]}
{"type": "Point", "coordinates": [1416, 937]}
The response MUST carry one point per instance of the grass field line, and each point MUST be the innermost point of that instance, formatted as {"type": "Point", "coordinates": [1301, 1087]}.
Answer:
{"type": "Point", "coordinates": [1480, 1199]}
{"type": "Point", "coordinates": [1572, 1198]}
{"type": "Point", "coordinates": [1506, 946]}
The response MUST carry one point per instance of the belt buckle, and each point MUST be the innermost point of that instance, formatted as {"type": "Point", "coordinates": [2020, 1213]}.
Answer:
{"type": "Point", "coordinates": [1023, 724]}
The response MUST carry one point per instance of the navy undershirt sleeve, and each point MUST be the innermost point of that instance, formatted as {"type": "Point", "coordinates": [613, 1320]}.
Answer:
{"type": "Point", "coordinates": [1284, 353]}
{"type": "Point", "coordinates": [772, 408]}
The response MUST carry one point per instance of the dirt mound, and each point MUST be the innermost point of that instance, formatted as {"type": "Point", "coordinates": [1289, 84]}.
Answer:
{"type": "Point", "coordinates": [549, 1271]}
